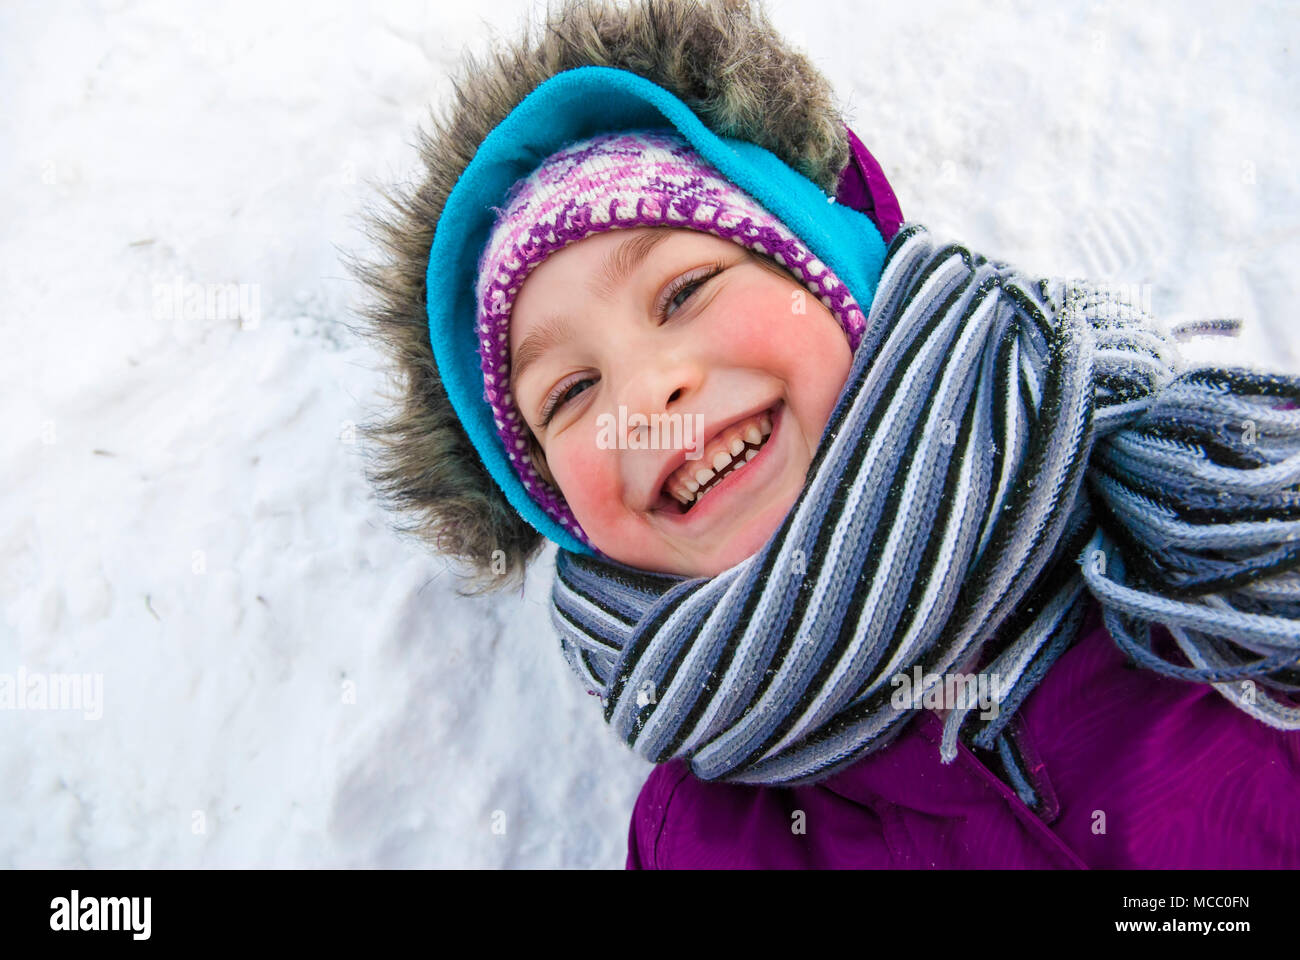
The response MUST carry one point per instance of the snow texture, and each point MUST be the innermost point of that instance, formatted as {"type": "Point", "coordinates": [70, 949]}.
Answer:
{"type": "Point", "coordinates": [285, 681]}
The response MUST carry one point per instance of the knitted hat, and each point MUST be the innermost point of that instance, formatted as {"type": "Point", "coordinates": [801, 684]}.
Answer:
{"type": "Point", "coordinates": [617, 181]}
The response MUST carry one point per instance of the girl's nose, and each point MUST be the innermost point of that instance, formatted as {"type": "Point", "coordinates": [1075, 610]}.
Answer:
{"type": "Point", "coordinates": [660, 385]}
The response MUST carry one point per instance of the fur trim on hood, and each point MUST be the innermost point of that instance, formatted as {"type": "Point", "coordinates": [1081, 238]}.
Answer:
{"type": "Point", "coordinates": [723, 58]}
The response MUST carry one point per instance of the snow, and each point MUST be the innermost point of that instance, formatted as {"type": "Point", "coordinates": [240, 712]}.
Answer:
{"type": "Point", "coordinates": [286, 681]}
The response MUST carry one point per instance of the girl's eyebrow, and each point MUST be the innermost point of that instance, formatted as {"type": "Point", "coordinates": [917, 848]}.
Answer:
{"type": "Point", "coordinates": [617, 267]}
{"type": "Point", "coordinates": [623, 260]}
{"type": "Point", "coordinates": [551, 332]}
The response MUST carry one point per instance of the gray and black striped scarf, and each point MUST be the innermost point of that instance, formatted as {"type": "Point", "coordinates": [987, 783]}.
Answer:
{"type": "Point", "coordinates": [1001, 449]}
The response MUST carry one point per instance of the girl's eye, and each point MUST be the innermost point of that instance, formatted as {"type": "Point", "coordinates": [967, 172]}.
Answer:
{"type": "Point", "coordinates": [686, 285]}
{"type": "Point", "coordinates": [561, 397]}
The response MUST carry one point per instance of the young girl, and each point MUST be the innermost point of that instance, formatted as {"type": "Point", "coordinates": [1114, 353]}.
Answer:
{"type": "Point", "coordinates": [828, 492]}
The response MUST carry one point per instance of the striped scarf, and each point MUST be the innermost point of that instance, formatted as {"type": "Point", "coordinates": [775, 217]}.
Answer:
{"type": "Point", "coordinates": [1001, 449]}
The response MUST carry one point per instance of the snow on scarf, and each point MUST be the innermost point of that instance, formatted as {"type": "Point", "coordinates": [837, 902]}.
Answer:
{"type": "Point", "coordinates": [1001, 448]}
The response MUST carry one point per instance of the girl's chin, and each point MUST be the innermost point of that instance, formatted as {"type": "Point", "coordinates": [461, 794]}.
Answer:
{"type": "Point", "coordinates": [742, 544]}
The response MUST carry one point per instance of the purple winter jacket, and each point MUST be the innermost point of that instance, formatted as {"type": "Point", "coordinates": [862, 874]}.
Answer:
{"type": "Point", "coordinates": [1136, 770]}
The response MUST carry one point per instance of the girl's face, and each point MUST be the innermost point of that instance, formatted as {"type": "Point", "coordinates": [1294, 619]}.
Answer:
{"type": "Point", "coordinates": [687, 330]}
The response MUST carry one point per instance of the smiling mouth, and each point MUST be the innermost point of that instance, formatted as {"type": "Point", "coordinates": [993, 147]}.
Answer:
{"type": "Point", "coordinates": [739, 445]}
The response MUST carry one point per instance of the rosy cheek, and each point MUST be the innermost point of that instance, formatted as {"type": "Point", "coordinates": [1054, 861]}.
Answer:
{"type": "Point", "coordinates": [588, 476]}
{"type": "Point", "coordinates": [757, 325]}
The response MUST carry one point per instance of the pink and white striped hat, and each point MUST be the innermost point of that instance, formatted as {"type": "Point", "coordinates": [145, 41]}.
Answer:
{"type": "Point", "coordinates": [617, 181]}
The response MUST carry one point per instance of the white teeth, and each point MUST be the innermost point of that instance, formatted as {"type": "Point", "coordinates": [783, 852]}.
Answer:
{"type": "Point", "coordinates": [687, 488]}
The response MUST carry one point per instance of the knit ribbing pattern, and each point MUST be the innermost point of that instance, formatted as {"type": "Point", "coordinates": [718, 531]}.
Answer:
{"type": "Point", "coordinates": [617, 181]}
{"type": "Point", "coordinates": [1002, 448]}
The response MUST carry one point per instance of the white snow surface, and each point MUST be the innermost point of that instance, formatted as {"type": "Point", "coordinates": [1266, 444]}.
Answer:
{"type": "Point", "coordinates": [286, 681]}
